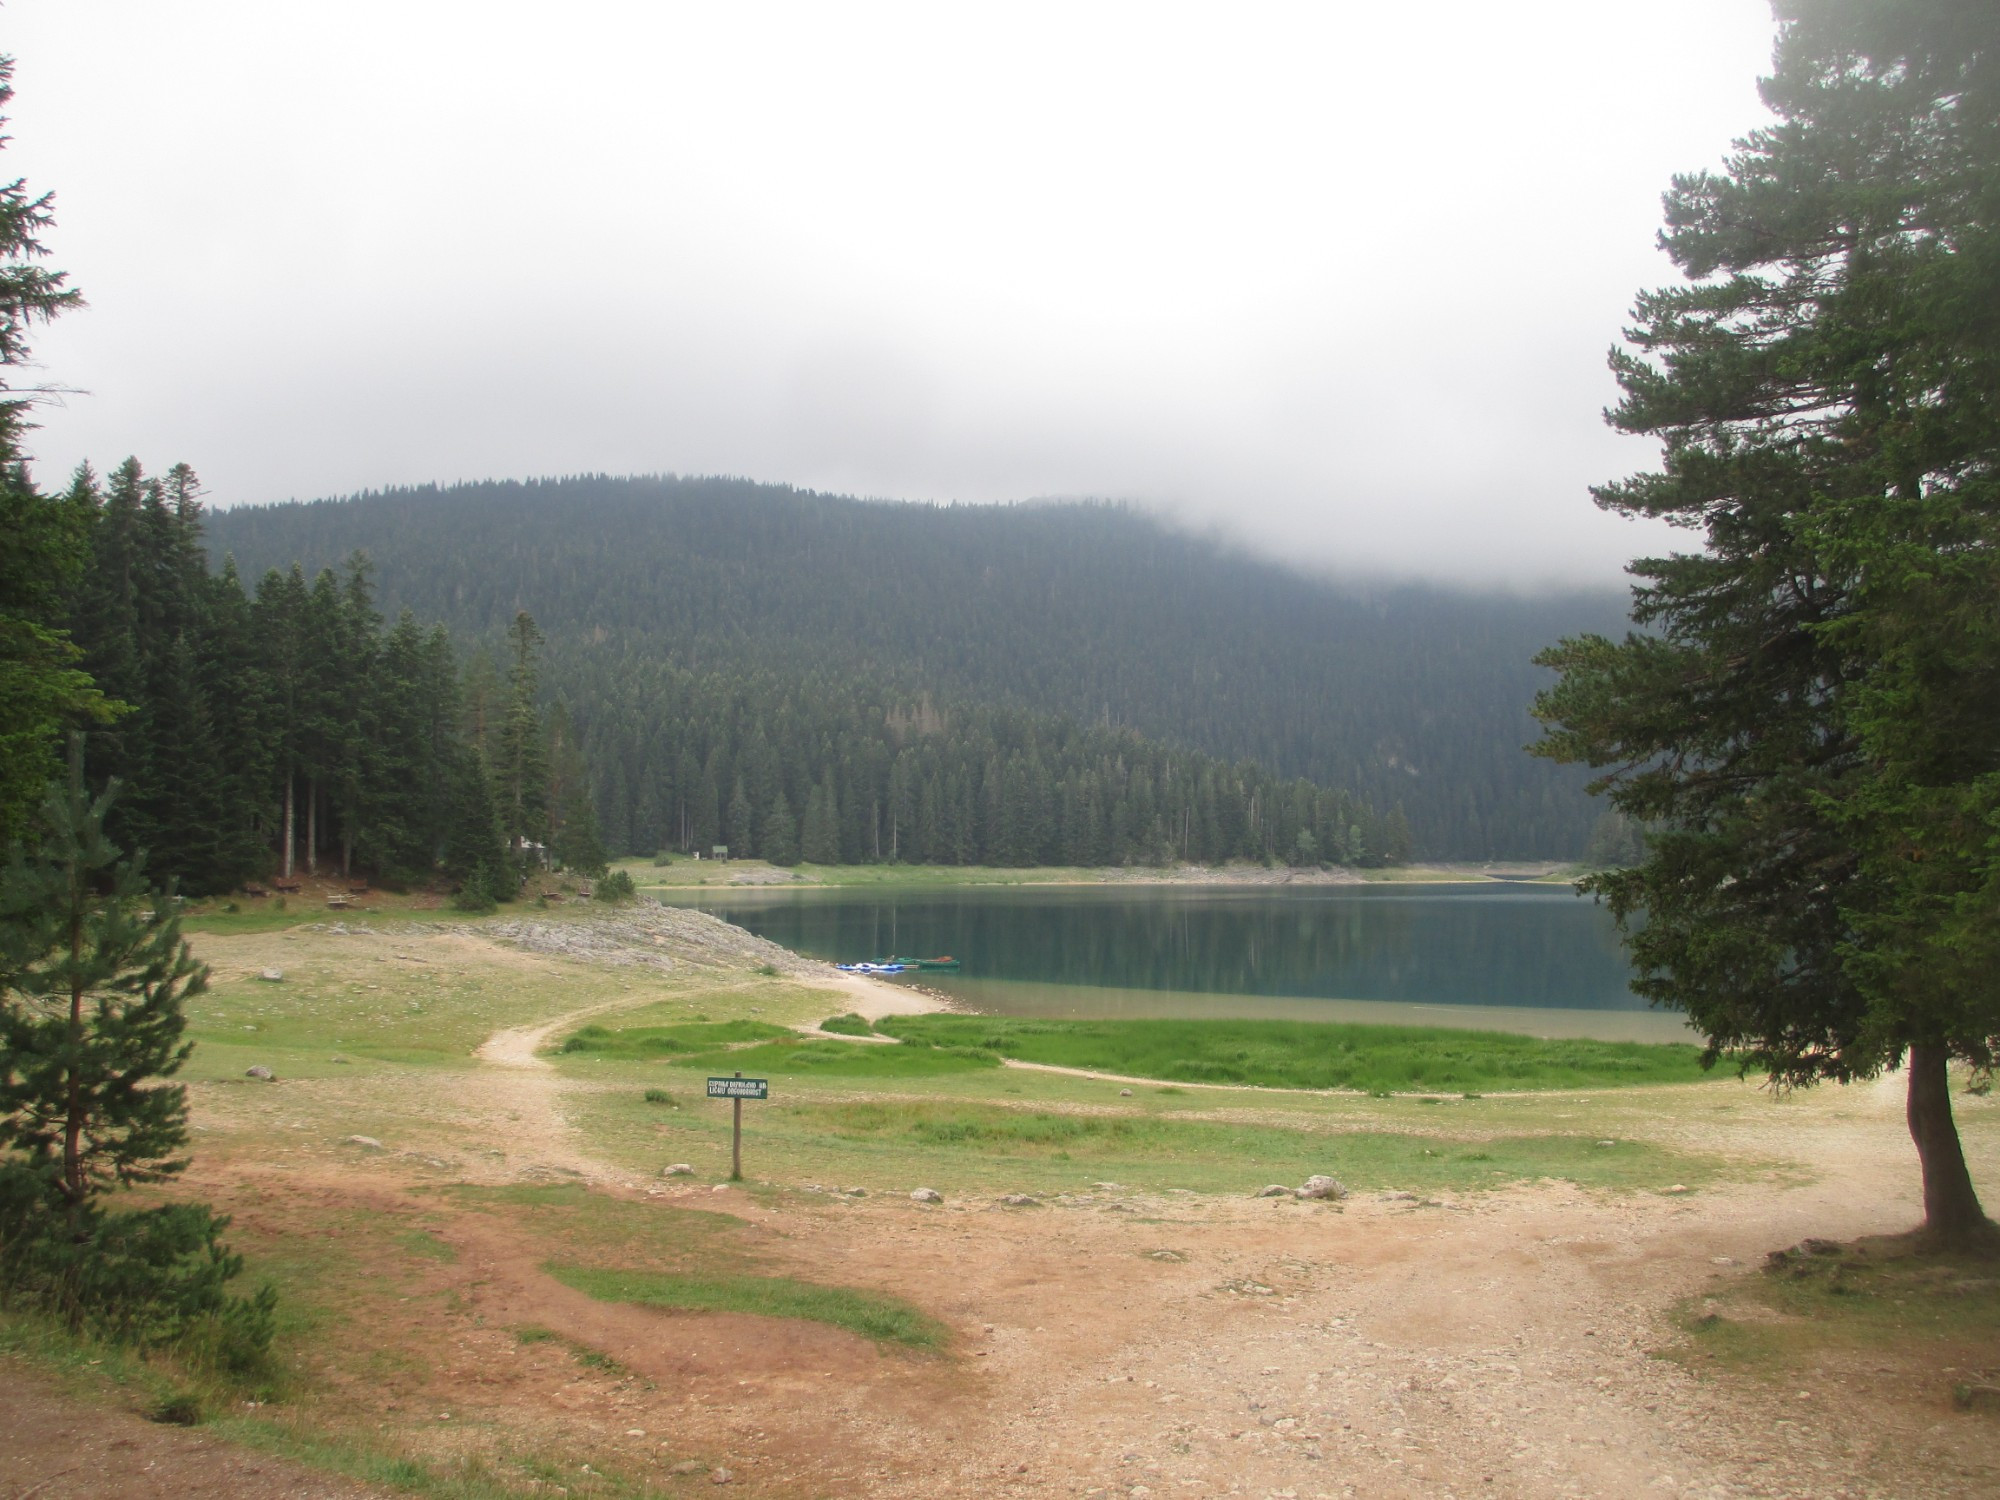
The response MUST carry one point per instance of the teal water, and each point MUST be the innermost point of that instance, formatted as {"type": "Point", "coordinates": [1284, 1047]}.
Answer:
{"type": "Point", "coordinates": [1519, 957]}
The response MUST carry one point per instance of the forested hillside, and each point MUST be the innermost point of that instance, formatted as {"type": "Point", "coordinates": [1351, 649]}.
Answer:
{"type": "Point", "coordinates": [661, 595]}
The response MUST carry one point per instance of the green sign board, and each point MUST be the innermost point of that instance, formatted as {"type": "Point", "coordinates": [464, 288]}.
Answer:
{"type": "Point", "coordinates": [739, 1088]}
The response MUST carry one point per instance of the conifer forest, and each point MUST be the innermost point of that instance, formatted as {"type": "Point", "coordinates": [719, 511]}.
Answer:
{"type": "Point", "coordinates": [804, 676]}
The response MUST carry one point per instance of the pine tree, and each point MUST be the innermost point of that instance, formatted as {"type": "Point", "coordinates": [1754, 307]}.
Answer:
{"type": "Point", "coordinates": [522, 771]}
{"type": "Point", "coordinates": [474, 850]}
{"type": "Point", "coordinates": [41, 683]}
{"type": "Point", "coordinates": [742, 822]}
{"type": "Point", "coordinates": [820, 842]}
{"type": "Point", "coordinates": [781, 833]}
{"type": "Point", "coordinates": [1807, 726]}
{"type": "Point", "coordinates": [93, 985]}
{"type": "Point", "coordinates": [95, 989]}
{"type": "Point", "coordinates": [576, 845]}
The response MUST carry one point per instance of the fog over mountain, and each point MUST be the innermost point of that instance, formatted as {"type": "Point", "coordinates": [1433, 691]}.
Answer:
{"type": "Point", "coordinates": [1337, 279]}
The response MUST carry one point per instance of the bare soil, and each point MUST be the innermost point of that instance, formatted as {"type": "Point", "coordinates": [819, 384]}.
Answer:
{"type": "Point", "coordinates": [55, 1447]}
{"type": "Point", "coordinates": [1504, 1343]}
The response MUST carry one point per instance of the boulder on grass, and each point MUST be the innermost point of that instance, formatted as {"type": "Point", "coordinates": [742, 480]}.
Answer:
{"type": "Point", "coordinates": [261, 1073]}
{"type": "Point", "coordinates": [1322, 1186]}
{"type": "Point", "coordinates": [678, 1169]}
{"type": "Point", "coordinates": [927, 1195]}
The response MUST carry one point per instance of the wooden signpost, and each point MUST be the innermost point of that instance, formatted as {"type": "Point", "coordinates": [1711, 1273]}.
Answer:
{"type": "Point", "coordinates": [737, 1089]}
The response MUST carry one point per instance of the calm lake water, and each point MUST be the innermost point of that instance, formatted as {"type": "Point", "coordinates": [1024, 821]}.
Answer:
{"type": "Point", "coordinates": [1526, 958]}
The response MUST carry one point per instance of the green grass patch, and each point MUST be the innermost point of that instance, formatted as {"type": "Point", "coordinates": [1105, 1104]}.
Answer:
{"type": "Point", "coordinates": [642, 1043]}
{"type": "Point", "coordinates": [1068, 1146]}
{"type": "Point", "coordinates": [847, 1025]}
{"type": "Point", "coordinates": [580, 1225]}
{"type": "Point", "coordinates": [887, 1320]}
{"type": "Point", "coordinates": [844, 1060]}
{"type": "Point", "coordinates": [427, 1246]}
{"type": "Point", "coordinates": [1311, 1054]}
{"type": "Point", "coordinates": [1875, 1299]}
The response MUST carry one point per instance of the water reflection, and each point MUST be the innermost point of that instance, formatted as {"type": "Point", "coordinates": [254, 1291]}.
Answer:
{"type": "Point", "coordinates": [1538, 947]}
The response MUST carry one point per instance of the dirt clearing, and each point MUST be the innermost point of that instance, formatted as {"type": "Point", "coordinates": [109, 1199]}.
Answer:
{"type": "Point", "coordinates": [1532, 1339]}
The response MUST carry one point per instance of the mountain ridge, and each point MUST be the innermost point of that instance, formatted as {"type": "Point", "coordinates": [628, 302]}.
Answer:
{"type": "Point", "coordinates": [1400, 693]}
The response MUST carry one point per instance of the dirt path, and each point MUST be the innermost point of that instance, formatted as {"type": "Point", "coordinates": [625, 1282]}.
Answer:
{"type": "Point", "coordinates": [53, 1447]}
{"type": "Point", "coordinates": [1497, 1344]}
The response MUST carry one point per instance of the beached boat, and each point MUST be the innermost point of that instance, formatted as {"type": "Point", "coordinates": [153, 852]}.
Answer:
{"type": "Point", "coordinates": [898, 966]}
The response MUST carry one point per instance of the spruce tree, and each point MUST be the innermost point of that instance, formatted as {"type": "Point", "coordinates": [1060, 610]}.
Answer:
{"type": "Point", "coordinates": [742, 822]}
{"type": "Point", "coordinates": [521, 771]}
{"type": "Point", "coordinates": [781, 833]}
{"type": "Point", "coordinates": [93, 1014]}
{"type": "Point", "coordinates": [819, 843]}
{"type": "Point", "coordinates": [41, 683]}
{"type": "Point", "coordinates": [1807, 727]}
{"type": "Point", "coordinates": [94, 978]}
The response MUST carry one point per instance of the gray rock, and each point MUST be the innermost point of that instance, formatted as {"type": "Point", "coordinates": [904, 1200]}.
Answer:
{"type": "Point", "coordinates": [1275, 1190]}
{"type": "Point", "coordinates": [272, 976]}
{"type": "Point", "coordinates": [259, 1071]}
{"type": "Point", "coordinates": [678, 1169]}
{"type": "Point", "coordinates": [365, 1142]}
{"type": "Point", "coordinates": [927, 1195]}
{"type": "Point", "coordinates": [688, 1466]}
{"type": "Point", "coordinates": [1124, 1093]}
{"type": "Point", "coordinates": [720, 1476]}
{"type": "Point", "coordinates": [1021, 1200]}
{"type": "Point", "coordinates": [1321, 1186]}
{"type": "Point", "coordinates": [854, 1192]}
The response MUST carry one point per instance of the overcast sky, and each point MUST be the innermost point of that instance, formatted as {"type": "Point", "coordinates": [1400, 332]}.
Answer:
{"type": "Point", "coordinates": [1337, 278]}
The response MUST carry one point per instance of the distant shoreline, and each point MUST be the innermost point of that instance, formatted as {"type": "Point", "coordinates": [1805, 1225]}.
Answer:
{"type": "Point", "coordinates": [693, 874]}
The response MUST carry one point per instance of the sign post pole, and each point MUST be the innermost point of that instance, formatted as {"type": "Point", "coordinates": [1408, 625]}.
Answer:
{"type": "Point", "coordinates": [736, 1090]}
{"type": "Point", "coordinates": [736, 1141]}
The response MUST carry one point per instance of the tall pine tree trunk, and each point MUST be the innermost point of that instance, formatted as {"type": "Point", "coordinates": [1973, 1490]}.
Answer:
{"type": "Point", "coordinates": [291, 782]}
{"type": "Point", "coordinates": [312, 826]}
{"type": "Point", "coordinates": [1951, 1208]}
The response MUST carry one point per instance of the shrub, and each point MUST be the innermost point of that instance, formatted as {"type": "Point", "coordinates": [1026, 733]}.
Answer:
{"type": "Point", "coordinates": [478, 892]}
{"type": "Point", "coordinates": [617, 886]}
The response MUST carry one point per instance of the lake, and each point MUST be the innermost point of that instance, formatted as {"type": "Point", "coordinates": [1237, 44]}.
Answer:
{"type": "Point", "coordinates": [1493, 955]}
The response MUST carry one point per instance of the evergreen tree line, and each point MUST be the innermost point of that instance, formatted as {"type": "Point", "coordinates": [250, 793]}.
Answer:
{"type": "Point", "coordinates": [786, 769]}
{"type": "Point", "coordinates": [94, 976]}
{"type": "Point", "coordinates": [285, 730]}
{"type": "Point", "coordinates": [1402, 695]}
{"type": "Point", "coordinates": [282, 729]}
